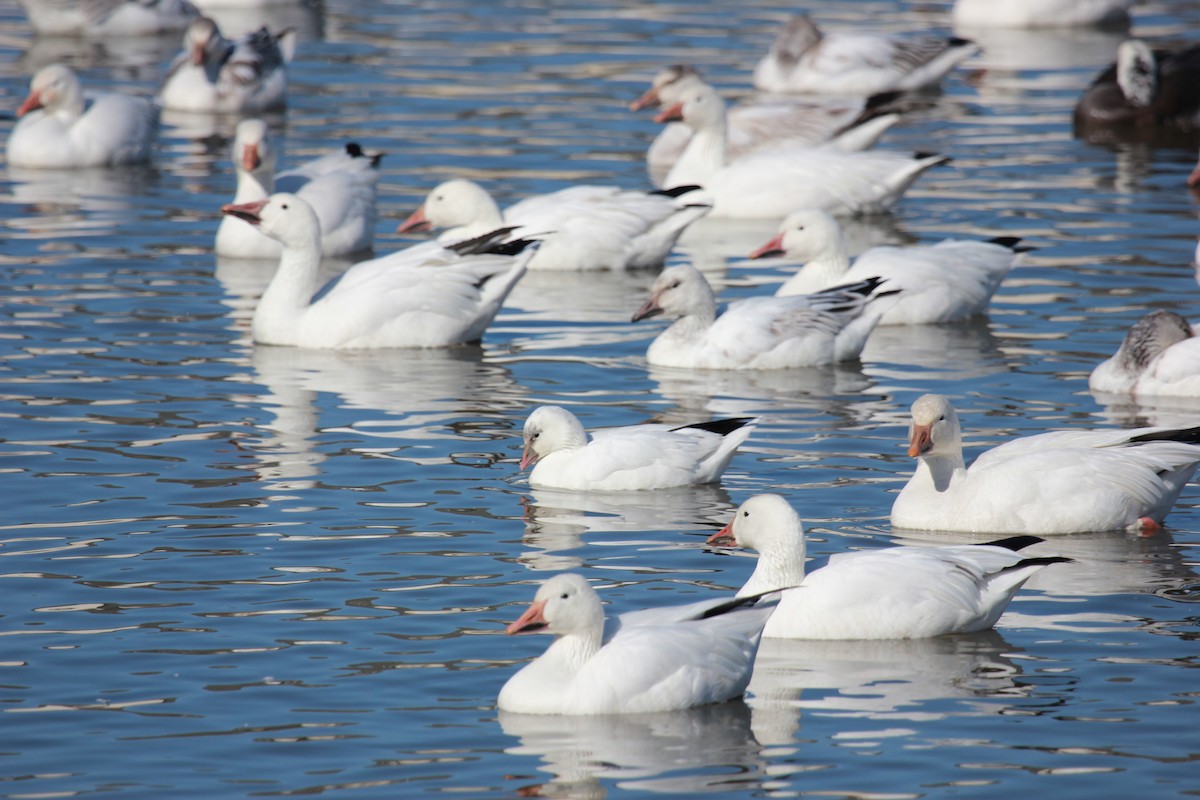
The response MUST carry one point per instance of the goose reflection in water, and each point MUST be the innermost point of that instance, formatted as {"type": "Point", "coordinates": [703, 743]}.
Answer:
{"type": "Point", "coordinates": [891, 679]}
{"type": "Point", "coordinates": [685, 753]}
{"type": "Point", "coordinates": [557, 520]}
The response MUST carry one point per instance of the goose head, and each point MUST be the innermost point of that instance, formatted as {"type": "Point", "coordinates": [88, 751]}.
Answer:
{"type": "Point", "coordinates": [54, 88]}
{"type": "Point", "coordinates": [1149, 337]}
{"type": "Point", "coordinates": [566, 604]}
{"type": "Point", "coordinates": [768, 524]}
{"type": "Point", "coordinates": [804, 234]}
{"type": "Point", "coordinates": [700, 107]}
{"type": "Point", "coordinates": [1137, 72]}
{"type": "Point", "coordinates": [668, 87]}
{"type": "Point", "coordinates": [678, 291]}
{"type": "Point", "coordinates": [201, 40]}
{"type": "Point", "coordinates": [284, 217]}
{"type": "Point", "coordinates": [549, 429]}
{"type": "Point", "coordinates": [453, 204]}
{"type": "Point", "coordinates": [934, 430]}
{"type": "Point", "coordinates": [252, 150]}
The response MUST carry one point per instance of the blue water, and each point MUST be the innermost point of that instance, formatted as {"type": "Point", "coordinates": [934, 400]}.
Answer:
{"type": "Point", "coordinates": [239, 571]}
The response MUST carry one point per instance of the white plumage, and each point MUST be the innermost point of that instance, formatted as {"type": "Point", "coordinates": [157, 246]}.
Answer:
{"type": "Point", "coordinates": [108, 17]}
{"type": "Point", "coordinates": [774, 181]}
{"type": "Point", "coordinates": [60, 128]}
{"type": "Point", "coordinates": [1040, 13]}
{"type": "Point", "coordinates": [951, 280]}
{"type": "Point", "coordinates": [340, 188]}
{"type": "Point", "coordinates": [426, 296]}
{"type": "Point", "coordinates": [891, 593]}
{"type": "Point", "coordinates": [581, 227]}
{"type": "Point", "coordinates": [758, 332]}
{"type": "Point", "coordinates": [803, 59]}
{"type": "Point", "coordinates": [1159, 357]}
{"type": "Point", "coordinates": [633, 457]}
{"type": "Point", "coordinates": [1055, 482]}
{"type": "Point", "coordinates": [215, 75]}
{"type": "Point", "coordinates": [849, 125]}
{"type": "Point", "coordinates": [658, 665]}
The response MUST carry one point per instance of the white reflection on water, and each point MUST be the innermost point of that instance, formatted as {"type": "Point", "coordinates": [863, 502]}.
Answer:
{"type": "Point", "coordinates": [689, 752]}
{"type": "Point", "coordinates": [876, 679]}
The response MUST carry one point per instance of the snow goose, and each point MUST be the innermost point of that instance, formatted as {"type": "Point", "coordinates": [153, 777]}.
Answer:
{"type": "Point", "coordinates": [849, 126]}
{"type": "Point", "coordinates": [425, 296]}
{"type": "Point", "coordinates": [891, 593]}
{"type": "Point", "coordinates": [654, 666]}
{"type": "Point", "coordinates": [948, 281]}
{"type": "Point", "coordinates": [803, 59]}
{"type": "Point", "coordinates": [1054, 482]}
{"type": "Point", "coordinates": [1041, 13]}
{"type": "Point", "coordinates": [773, 181]}
{"type": "Point", "coordinates": [340, 187]}
{"type": "Point", "coordinates": [60, 129]}
{"type": "Point", "coordinates": [215, 75]}
{"type": "Point", "coordinates": [1142, 93]}
{"type": "Point", "coordinates": [757, 332]}
{"type": "Point", "coordinates": [633, 457]}
{"type": "Point", "coordinates": [582, 227]}
{"type": "Point", "coordinates": [108, 17]}
{"type": "Point", "coordinates": [1160, 357]}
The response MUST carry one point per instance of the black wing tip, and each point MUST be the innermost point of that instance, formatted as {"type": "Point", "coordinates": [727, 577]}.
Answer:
{"type": "Point", "coordinates": [354, 150]}
{"type": "Point", "coordinates": [1012, 243]}
{"type": "Point", "coordinates": [487, 242]}
{"type": "Point", "coordinates": [1014, 543]}
{"type": "Point", "coordinates": [1040, 561]}
{"type": "Point", "coordinates": [921, 155]}
{"type": "Point", "coordinates": [958, 41]}
{"type": "Point", "coordinates": [1182, 435]}
{"type": "Point", "coordinates": [723, 427]}
{"type": "Point", "coordinates": [678, 191]}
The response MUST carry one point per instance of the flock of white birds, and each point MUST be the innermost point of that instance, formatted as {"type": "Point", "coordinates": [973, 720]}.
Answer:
{"type": "Point", "coordinates": [803, 154]}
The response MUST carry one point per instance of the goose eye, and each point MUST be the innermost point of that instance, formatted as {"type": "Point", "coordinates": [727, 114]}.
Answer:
{"type": "Point", "coordinates": [942, 418]}
{"type": "Point", "coordinates": [745, 513]}
{"type": "Point", "coordinates": [285, 206]}
{"type": "Point", "coordinates": [564, 596]}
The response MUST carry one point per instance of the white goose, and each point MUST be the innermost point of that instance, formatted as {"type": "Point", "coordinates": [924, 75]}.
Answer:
{"type": "Point", "coordinates": [849, 125]}
{"type": "Point", "coordinates": [426, 296]}
{"type": "Point", "coordinates": [891, 593]}
{"type": "Point", "coordinates": [1055, 482]}
{"type": "Point", "coordinates": [1160, 357]}
{"type": "Point", "coordinates": [582, 227]}
{"type": "Point", "coordinates": [61, 129]}
{"type": "Point", "coordinates": [215, 75]}
{"type": "Point", "coordinates": [340, 187]}
{"type": "Point", "coordinates": [773, 181]}
{"type": "Point", "coordinates": [757, 332]}
{"type": "Point", "coordinates": [951, 280]}
{"type": "Point", "coordinates": [1041, 13]}
{"type": "Point", "coordinates": [108, 17]}
{"type": "Point", "coordinates": [632, 457]}
{"type": "Point", "coordinates": [803, 59]}
{"type": "Point", "coordinates": [658, 665]}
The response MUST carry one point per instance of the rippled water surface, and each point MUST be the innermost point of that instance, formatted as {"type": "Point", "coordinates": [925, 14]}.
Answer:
{"type": "Point", "coordinates": [235, 571]}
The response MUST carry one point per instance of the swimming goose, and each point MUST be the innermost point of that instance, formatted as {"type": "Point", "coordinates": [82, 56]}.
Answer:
{"type": "Point", "coordinates": [1041, 13]}
{"type": "Point", "coordinates": [803, 59]}
{"type": "Point", "coordinates": [1143, 92]}
{"type": "Point", "coordinates": [948, 281]}
{"type": "Point", "coordinates": [1056, 482]}
{"type": "Point", "coordinates": [849, 125]}
{"type": "Point", "coordinates": [633, 457]}
{"type": "Point", "coordinates": [582, 227]}
{"type": "Point", "coordinates": [425, 296]}
{"type": "Point", "coordinates": [774, 181]}
{"type": "Point", "coordinates": [891, 593]}
{"type": "Point", "coordinates": [340, 187]}
{"type": "Point", "coordinates": [218, 76]}
{"type": "Point", "coordinates": [758, 332]}
{"type": "Point", "coordinates": [1160, 357]}
{"type": "Point", "coordinates": [61, 129]}
{"type": "Point", "coordinates": [108, 17]}
{"type": "Point", "coordinates": [654, 666]}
